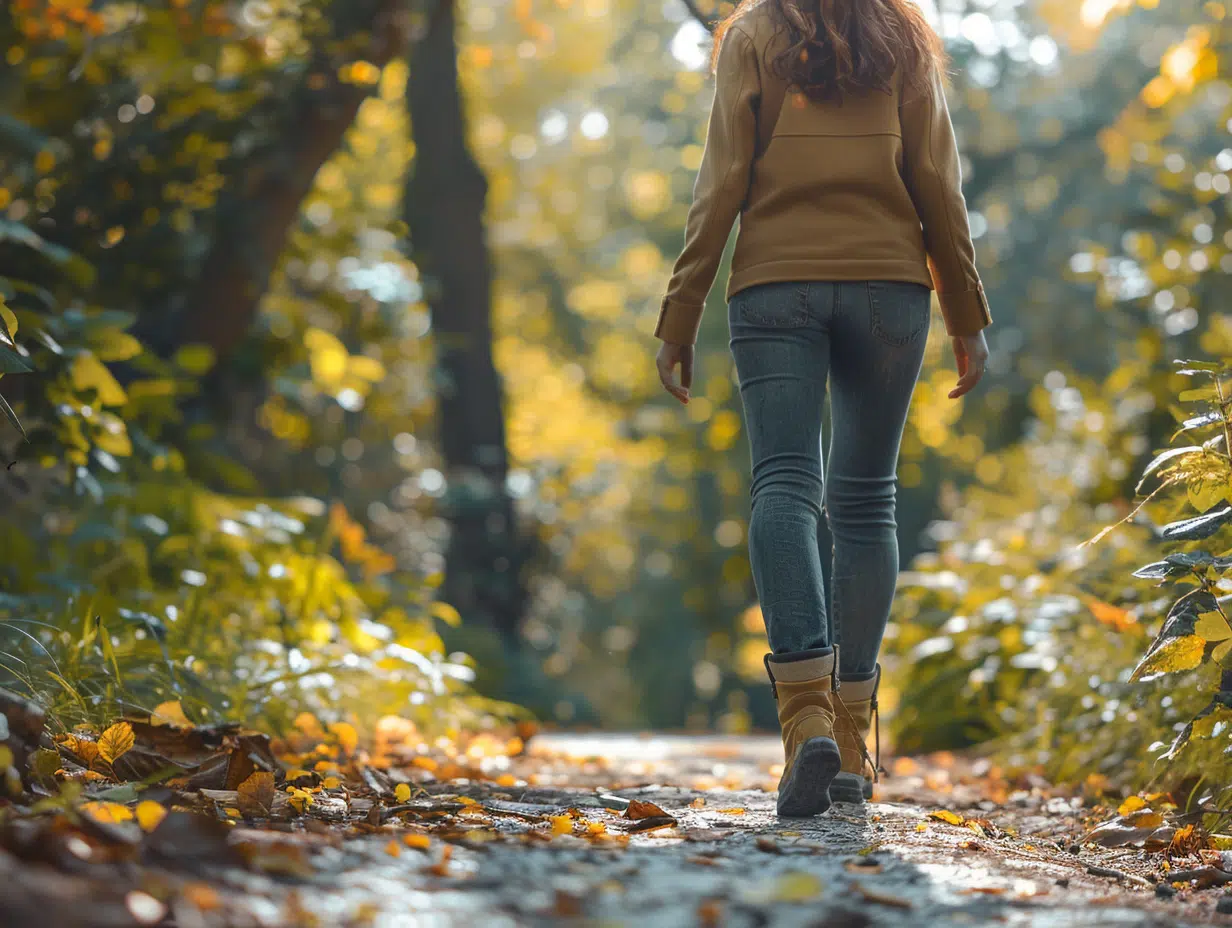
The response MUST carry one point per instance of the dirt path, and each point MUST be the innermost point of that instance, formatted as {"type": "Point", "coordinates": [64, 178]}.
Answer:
{"type": "Point", "coordinates": [935, 850]}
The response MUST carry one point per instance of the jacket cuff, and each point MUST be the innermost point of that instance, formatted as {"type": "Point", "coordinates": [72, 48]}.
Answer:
{"type": "Point", "coordinates": [678, 322]}
{"type": "Point", "coordinates": [965, 311]}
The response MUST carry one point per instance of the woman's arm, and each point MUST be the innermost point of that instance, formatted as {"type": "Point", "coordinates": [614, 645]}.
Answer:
{"type": "Point", "coordinates": [721, 187]}
{"type": "Point", "coordinates": [934, 180]}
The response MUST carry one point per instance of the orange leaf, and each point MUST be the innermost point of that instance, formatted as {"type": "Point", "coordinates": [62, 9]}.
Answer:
{"type": "Point", "coordinates": [256, 795]}
{"type": "Point", "coordinates": [639, 809]}
{"type": "Point", "coordinates": [945, 815]}
{"type": "Point", "coordinates": [115, 742]}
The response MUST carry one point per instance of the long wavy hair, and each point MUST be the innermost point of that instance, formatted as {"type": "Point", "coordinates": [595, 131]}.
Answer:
{"type": "Point", "coordinates": [840, 47]}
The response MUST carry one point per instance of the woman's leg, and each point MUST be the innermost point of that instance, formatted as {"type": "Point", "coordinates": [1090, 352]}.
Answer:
{"type": "Point", "coordinates": [876, 350]}
{"type": "Point", "coordinates": [781, 345]}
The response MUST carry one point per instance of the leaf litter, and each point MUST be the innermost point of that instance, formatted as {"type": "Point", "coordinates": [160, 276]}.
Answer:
{"type": "Point", "coordinates": [188, 810]}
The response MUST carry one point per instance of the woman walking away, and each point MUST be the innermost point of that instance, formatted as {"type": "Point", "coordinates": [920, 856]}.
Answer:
{"type": "Point", "coordinates": [830, 138]}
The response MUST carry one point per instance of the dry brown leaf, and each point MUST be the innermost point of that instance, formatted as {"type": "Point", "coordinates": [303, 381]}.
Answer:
{"type": "Point", "coordinates": [255, 796]}
{"type": "Point", "coordinates": [698, 803]}
{"type": "Point", "coordinates": [116, 741]}
{"type": "Point", "coordinates": [769, 845]}
{"type": "Point", "coordinates": [1134, 828]}
{"type": "Point", "coordinates": [880, 898]}
{"type": "Point", "coordinates": [639, 810]}
{"type": "Point", "coordinates": [862, 865]}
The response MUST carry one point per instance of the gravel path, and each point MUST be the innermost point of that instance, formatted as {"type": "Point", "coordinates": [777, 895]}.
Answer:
{"type": "Point", "coordinates": [549, 845]}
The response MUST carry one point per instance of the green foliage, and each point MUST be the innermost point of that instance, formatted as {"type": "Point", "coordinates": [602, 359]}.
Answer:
{"type": "Point", "coordinates": [1059, 647]}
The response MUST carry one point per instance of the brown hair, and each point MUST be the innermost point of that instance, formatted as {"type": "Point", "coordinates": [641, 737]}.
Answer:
{"type": "Point", "coordinates": [838, 47]}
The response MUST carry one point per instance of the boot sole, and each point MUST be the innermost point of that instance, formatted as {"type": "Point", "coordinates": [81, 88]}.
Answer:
{"type": "Point", "coordinates": [851, 787]}
{"type": "Point", "coordinates": [805, 790]}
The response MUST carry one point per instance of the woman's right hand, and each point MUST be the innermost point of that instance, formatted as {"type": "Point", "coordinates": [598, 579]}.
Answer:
{"type": "Point", "coordinates": [971, 353]}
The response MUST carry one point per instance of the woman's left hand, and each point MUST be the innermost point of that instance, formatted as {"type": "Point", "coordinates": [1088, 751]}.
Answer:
{"type": "Point", "coordinates": [669, 356]}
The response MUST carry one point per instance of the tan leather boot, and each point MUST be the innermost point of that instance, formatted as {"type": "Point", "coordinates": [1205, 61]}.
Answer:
{"type": "Point", "coordinates": [804, 689]}
{"type": "Point", "coordinates": [856, 710]}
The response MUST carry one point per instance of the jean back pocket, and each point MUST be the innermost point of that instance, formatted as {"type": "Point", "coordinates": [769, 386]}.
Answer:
{"type": "Point", "coordinates": [774, 305]}
{"type": "Point", "coordinates": [899, 311]}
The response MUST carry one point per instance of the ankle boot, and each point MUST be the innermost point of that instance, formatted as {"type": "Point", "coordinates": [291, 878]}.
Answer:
{"type": "Point", "coordinates": [804, 687]}
{"type": "Point", "coordinates": [856, 711]}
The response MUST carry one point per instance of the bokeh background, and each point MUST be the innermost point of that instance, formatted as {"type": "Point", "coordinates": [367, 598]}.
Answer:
{"type": "Point", "coordinates": [332, 325]}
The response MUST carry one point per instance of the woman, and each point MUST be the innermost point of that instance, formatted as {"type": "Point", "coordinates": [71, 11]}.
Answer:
{"type": "Point", "coordinates": [831, 139]}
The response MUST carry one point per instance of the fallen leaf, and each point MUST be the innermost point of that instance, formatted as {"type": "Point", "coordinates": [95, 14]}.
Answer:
{"type": "Point", "coordinates": [983, 891]}
{"type": "Point", "coordinates": [650, 824]}
{"type": "Point", "coordinates": [393, 849]}
{"type": "Point", "coordinates": [710, 914]}
{"type": "Point", "coordinates": [880, 898]}
{"type": "Point", "coordinates": [422, 842]}
{"type": "Point", "coordinates": [347, 736]}
{"type": "Point", "coordinates": [698, 803]}
{"type": "Point", "coordinates": [149, 814]}
{"type": "Point", "coordinates": [1132, 804]}
{"type": "Point", "coordinates": [945, 815]}
{"type": "Point", "coordinates": [108, 812]}
{"type": "Point", "coordinates": [561, 824]}
{"type": "Point", "coordinates": [1134, 828]}
{"type": "Point", "coordinates": [402, 792]}
{"type": "Point", "coordinates": [638, 809]}
{"type": "Point", "coordinates": [115, 742]}
{"type": "Point", "coordinates": [170, 714]}
{"type": "Point", "coordinates": [735, 810]}
{"type": "Point", "coordinates": [862, 865]}
{"type": "Point", "coordinates": [255, 796]}
{"type": "Point", "coordinates": [768, 845]}
{"type": "Point", "coordinates": [797, 886]}
{"type": "Point", "coordinates": [331, 783]}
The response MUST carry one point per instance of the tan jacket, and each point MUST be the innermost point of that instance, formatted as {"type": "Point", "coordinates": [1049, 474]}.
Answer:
{"type": "Point", "coordinates": [869, 189]}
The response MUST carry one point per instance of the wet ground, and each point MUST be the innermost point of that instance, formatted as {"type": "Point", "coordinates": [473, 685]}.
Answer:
{"type": "Point", "coordinates": [552, 842]}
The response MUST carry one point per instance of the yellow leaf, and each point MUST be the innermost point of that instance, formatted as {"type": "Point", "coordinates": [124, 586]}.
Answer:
{"type": "Point", "coordinates": [86, 750]}
{"type": "Point", "coordinates": [1183, 653]}
{"type": "Point", "coordinates": [561, 824]}
{"type": "Point", "coordinates": [110, 812]}
{"type": "Point", "coordinates": [736, 810]}
{"type": "Point", "coordinates": [797, 886]}
{"type": "Point", "coordinates": [1220, 654]}
{"type": "Point", "coordinates": [1217, 722]}
{"type": "Point", "coordinates": [923, 826]}
{"type": "Point", "coordinates": [89, 373]}
{"type": "Point", "coordinates": [327, 357]}
{"type": "Point", "coordinates": [195, 359]}
{"type": "Point", "coordinates": [402, 792]}
{"type": "Point", "coordinates": [331, 783]}
{"type": "Point", "coordinates": [115, 742]}
{"type": "Point", "coordinates": [1212, 626]}
{"type": "Point", "coordinates": [945, 815]}
{"type": "Point", "coordinates": [256, 795]}
{"type": "Point", "coordinates": [9, 320]}
{"type": "Point", "coordinates": [393, 848]}
{"type": "Point", "coordinates": [170, 713]}
{"type": "Point", "coordinates": [595, 828]}
{"type": "Point", "coordinates": [6, 757]}
{"type": "Point", "coordinates": [1132, 804]}
{"type": "Point", "coordinates": [348, 737]}
{"type": "Point", "coordinates": [114, 345]}
{"type": "Point", "coordinates": [423, 842]}
{"type": "Point", "coordinates": [446, 613]}
{"type": "Point", "coordinates": [365, 368]}
{"type": "Point", "coordinates": [149, 814]}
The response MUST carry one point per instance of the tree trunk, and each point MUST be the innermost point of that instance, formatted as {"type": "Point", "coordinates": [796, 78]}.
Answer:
{"type": "Point", "coordinates": [256, 214]}
{"type": "Point", "coordinates": [444, 207]}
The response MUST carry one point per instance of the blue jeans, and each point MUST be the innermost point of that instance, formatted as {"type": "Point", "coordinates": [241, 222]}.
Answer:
{"type": "Point", "coordinates": [788, 339]}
